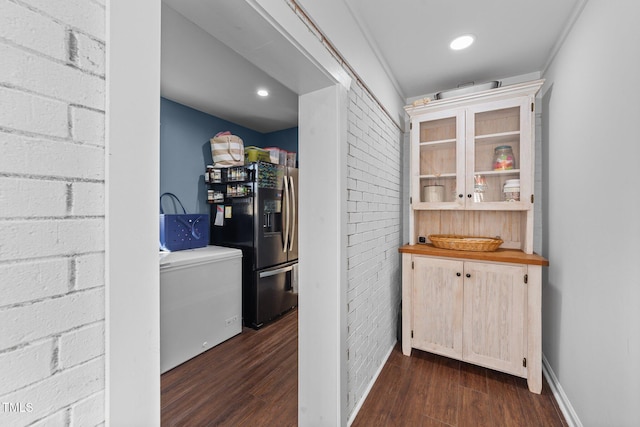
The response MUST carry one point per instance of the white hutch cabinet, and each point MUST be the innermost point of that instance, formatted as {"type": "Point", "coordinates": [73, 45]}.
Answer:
{"type": "Point", "coordinates": [481, 307]}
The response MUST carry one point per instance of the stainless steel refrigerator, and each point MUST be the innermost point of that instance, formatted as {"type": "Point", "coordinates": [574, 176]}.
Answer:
{"type": "Point", "coordinates": [258, 213]}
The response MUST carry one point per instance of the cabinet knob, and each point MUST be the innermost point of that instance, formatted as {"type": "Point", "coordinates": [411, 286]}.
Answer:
{"type": "Point", "coordinates": [468, 275]}
{"type": "Point", "coordinates": [469, 195]}
{"type": "Point", "coordinates": [460, 195]}
{"type": "Point", "coordinates": [458, 274]}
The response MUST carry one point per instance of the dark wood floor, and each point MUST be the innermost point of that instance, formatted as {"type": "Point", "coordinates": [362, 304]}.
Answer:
{"type": "Point", "coordinates": [429, 390]}
{"type": "Point", "coordinates": [251, 380]}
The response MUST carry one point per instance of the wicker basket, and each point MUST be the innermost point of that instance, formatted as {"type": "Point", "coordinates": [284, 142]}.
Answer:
{"type": "Point", "coordinates": [465, 243]}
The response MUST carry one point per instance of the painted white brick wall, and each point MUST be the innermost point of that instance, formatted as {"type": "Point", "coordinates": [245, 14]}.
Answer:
{"type": "Point", "coordinates": [374, 235]}
{"type": "Point", "coordinates": [52, 156]}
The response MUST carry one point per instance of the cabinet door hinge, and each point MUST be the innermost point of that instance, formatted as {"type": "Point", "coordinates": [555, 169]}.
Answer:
{"type": "Point", "coordinates": [524, 362]}
{"type": "Point", "coordinates": [526, 278]}
{"type": "Point", "coordinates": [532, 108]}
{"type": "Point", "coordinates": [412, 265]}
{"type": "Point", "coordinates": [532, 198]}
{"type": "Point", "coordinates": [411, 334]}
{"type": "Point", "coordinates": [410, 125]}
{"type": "Point", "coordinates": [410, 200]}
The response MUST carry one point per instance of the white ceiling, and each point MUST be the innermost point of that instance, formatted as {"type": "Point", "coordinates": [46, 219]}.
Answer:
{"type": "Point", "coordinates": [209, 50]}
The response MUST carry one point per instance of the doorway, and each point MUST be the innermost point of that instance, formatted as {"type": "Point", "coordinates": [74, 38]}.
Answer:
{"type": "Point", "coordinates": [132, 371]}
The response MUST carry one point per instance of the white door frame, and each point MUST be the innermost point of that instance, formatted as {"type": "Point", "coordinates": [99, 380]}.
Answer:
{"type": "Point", "coordinates": [132, 181]}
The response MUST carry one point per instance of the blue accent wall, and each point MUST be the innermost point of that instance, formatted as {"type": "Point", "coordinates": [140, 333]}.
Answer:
{"type": "Point", "coordinates": [286, 139]}
{"type": "Point", "coordinates": [185, 150]}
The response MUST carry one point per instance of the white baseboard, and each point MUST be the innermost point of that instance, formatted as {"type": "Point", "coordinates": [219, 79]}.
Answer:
{"type": "Point", "coordinates": [357, 408]}
{"type": "Point", "coordinates": [563, 401]}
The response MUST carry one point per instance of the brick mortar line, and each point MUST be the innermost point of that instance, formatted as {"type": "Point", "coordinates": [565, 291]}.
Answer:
{"type": "Point", "coordinates": [51, 138]}
{"type": "Point", "coordinates": [50, 258]}
{"type": "Point", "coordinates": [49, 337]}
{"type": "Point", "coordinates": [66, 25]}
{"type": "Point", "coordinates": [51, 178]}
{"type": "Point", "coordinates": [65, 62]}
{"type": "Point", "coordinates": [50, 218]}
{"type": "Point", "coordinates": [50, 298]}
{"type": "Point", "coordinates": [49, 97]}
{"type": "Point", "coordinates": [53, 375]}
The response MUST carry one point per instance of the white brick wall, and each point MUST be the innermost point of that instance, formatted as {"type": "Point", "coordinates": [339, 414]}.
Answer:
{"type": "Point", "coordinates": [52, 304]}
{"type": "Point", "coordinates": [374, 235]}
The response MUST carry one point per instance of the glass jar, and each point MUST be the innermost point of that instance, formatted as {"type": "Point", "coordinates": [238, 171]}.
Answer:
{"type": "Point", "coordinates": [503, 158]}
{"type": "Point", "coordinates": [511, 190]}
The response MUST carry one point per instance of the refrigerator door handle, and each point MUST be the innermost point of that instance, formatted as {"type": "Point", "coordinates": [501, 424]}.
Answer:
{"type": "Point", "coordinates": [285, 215]}
{"type": "Point", "coordinates": [292, 200]}
{"type": "Point", "coordinates": [275, 272]}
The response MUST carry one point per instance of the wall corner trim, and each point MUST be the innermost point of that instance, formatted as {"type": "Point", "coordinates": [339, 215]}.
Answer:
{"type": "Point", "coordinates": [569, 413]}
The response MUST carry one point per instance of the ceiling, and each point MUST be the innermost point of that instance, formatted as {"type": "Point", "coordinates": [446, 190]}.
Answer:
{"type": "Point", "coordinates": [210, 51]}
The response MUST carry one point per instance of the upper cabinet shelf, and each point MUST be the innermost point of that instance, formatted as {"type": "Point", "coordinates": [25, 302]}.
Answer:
{"type": "Point", "coordinates": [465, 151]}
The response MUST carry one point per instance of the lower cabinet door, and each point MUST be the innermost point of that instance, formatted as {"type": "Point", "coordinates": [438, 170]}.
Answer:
{"type": "Point", "coordinates": [494, 316]}
{"type": "Point", "coordinates": [437, 306]}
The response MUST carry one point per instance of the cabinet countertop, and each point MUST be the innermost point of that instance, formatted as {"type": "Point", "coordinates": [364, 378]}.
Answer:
{"type": "Point", "coordinates": [501, 255]}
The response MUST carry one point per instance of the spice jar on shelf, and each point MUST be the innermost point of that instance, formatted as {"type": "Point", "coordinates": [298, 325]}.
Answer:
{"type": "Point", "coordinates": [511, 190]}
{"type": "Point", "coordinates": [503, 158]}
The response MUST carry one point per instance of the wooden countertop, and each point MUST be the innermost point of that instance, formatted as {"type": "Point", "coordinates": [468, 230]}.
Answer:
{"type": "Point", "coordinates": [501, 255]}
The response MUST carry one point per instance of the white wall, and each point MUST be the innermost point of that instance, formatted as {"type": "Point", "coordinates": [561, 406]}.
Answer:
{"type": "Point", "coordinates": [133, 158]}
{"type": "Point", "coordinates": [52, 216]}
{"type": "Point", "coordinates": [591, 298]}
{"type": "Point", "coordinates": [322, 241]}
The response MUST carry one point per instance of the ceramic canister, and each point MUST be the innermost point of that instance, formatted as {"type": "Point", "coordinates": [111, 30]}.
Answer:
{"type": "Point", "coordinates": [433, 193]}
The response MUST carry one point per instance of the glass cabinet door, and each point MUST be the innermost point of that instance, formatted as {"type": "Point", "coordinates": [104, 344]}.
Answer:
{"type": "Point", "coordinates": [438, 160]}
{"type": "Point", "coordinates": [498, 155]}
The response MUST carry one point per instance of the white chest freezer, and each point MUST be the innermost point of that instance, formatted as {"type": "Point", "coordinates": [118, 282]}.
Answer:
{"type": "Point", "coordinates": [200, 301]}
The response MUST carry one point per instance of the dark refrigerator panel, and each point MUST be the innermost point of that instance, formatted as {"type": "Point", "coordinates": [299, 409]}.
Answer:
{"type": "Point", "coordinates": [273, 293]}
{"type": "Point", "coordinates": [237, 229]}
{"type": "Point", "coordinates": [260, 217]}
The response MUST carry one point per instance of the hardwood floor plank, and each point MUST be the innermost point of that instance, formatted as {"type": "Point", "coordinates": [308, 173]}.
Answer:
{"type": "Point", "coordinates": [443, 393]}
{"type": "Point", "coordinates": [474, 409]}
{"type": "Point", "coordinates": [540, 406]}
{"type": "Point", "coordinates": [412, 396]}
{"type": "Point", "coordinates": [473, 377]}
{"type": "Point", "coordinates": [384, 394]}
{"type": "Point", "coordinates": [504, 400]}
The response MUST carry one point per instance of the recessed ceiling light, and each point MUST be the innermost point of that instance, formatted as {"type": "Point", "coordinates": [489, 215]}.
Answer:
{"type": "Point", "coordinates": [262, 92]}
{"type": "Point", "coordinates": [462, 42]}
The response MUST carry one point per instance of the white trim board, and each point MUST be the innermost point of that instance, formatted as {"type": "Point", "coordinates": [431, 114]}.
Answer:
{"type": "Point", "coordinates": [567, 410]}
